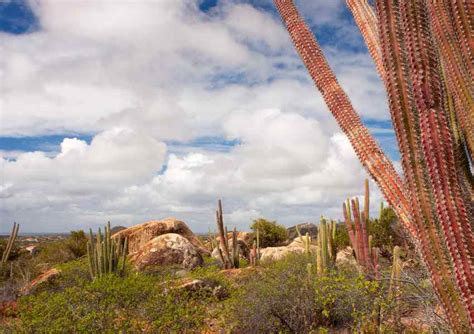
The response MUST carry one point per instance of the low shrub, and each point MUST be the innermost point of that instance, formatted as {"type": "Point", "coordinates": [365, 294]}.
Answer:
{"type": "Point", "coordinates": [271, 233]}
{"type": "Point", "coordinates": [286, 298]}
{"type": "Point", "coordinates": [136, 303]}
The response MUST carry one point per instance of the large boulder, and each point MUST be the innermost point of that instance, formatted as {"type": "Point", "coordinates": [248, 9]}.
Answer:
{"type": "Point", "coordinates": [312, 229]}
{"type": "Point", "coordinates": [277, 253]}
{"type": "Point", "coordinates": [141, 234]}
{"type": "Point", "coordinates": [166, 249]}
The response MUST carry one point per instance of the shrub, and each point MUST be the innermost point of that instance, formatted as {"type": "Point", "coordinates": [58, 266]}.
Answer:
{"type": "Point", "coordinates": [342, 237]}
{"type": "Point", "coordinates": [77, 243]}
{"type": "Point", "coordinates": [271, 233]}
{"type": "Point", "coordinates": [286, 298]}
{"type": "Point", "coordinates": [136, 303]}
{"type": "Point", "coordinates": [383, 230]}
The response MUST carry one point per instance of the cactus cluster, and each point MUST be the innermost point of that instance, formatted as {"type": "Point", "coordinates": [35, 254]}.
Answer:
{"type": "Point", "coordinates": [228, 258]}
{"type": "Point", "coordinates": [11, 241]}
{"type": "Point", "coordinates": [357, 228]}
{"type": "Point", "coordinates": [326, 248]}
{"type": "Point", "coordinates": [105, 254]}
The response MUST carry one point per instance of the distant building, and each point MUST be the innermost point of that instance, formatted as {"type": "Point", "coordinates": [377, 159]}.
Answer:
{"type": "Point", "coordinates": [32, 249]}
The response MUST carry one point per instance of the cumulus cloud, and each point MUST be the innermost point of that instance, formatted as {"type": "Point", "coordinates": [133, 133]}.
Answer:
{"type": "Point", "coordinates": [139, 75]}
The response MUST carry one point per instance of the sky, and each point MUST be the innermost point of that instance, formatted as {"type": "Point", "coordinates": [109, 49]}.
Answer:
{"type": "Point", "coordinates": [128, 111]}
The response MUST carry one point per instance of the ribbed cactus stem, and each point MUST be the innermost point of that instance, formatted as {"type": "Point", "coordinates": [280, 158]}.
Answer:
{"type": "Point", "coordinates": [235, 248]}
{"type": "Point", "coordinates": [11, 241]}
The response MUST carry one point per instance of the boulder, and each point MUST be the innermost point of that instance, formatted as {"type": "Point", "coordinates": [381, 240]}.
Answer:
{"type": "Point", "coordinates": [345, 257]}
{"type": "Point", "coordinates": [204, 287]}
{"type": "Point", "coordinates": [45, 277]}
{"type": "Point", "coordinates": [141, 234]}
{"type": "Point", "coordinates": [244, 250]}
{"type": "Point", "coordinates": [277, 253]}
{"type": "Point", "coordinates": [166, 249]}
{"type": "Point", "coordinates": [312, 229]}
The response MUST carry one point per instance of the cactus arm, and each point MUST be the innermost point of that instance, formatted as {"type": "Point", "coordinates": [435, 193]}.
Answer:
{"type": "Point", "coordinates": [222, 235]}
{"type": "Point", "coordinates": [11, 241]}
{"type": "Point", "coordinates": [366, 148]}
{"type": "Point", "coordinates": [366, 21]}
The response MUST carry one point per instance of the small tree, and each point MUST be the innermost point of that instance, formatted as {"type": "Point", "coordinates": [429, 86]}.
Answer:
{"type": "Point", "coordinates": [271, 233]}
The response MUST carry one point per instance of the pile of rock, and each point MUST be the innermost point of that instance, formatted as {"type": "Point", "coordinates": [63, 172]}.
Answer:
{"type": "Point", "coordinates": [164, 242]}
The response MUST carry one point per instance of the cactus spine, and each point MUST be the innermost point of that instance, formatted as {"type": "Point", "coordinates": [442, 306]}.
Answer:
{"type": "Point", "coordinates": [9, 246]}
{"type": "Point", "coordinates": [106, 255]}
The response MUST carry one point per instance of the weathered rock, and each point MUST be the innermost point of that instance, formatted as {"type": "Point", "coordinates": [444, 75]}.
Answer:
{"type": "Point", "coordinates": [204, 287]}
{"type": "Point", "coordinates": [45, 277]}
{"type": "Point", "coordinates": [244, 250]}
{"type": "Point", "coordinates": [277, 253]}
{"type": "Point", "coordinates": [345, 257]}
{"type": "Point", "coordinates": [166, 249]}
{"type": "Point", "coordinates": [312, 229]}
{"type": "Point", "coordinates": [141, 234]}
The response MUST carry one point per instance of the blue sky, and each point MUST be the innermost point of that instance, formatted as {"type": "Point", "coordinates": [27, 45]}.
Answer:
{"type": "Point", "coordinates": [202, 111]}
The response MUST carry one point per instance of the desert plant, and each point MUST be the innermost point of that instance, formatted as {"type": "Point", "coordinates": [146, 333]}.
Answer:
{"type": "Point", "coordinates": [270, 233]}
{"type": "Point", "coordinates": [77, 243]}
{"type": "Point", "coordinates": [365, 254]}
{"type": "Point", "coordinates": [11, 241]}
{"type": "Point", "coordinates": [106, 254]}
{"type": "Point", "coordinates": [424, 50]}
{"type": "Point", "coordinates": [229, 259]}
{"type": "Point", "coordinates": [326, 247]}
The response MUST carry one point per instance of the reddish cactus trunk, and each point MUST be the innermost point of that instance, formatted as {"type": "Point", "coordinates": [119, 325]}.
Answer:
{"type": "Point", "coordinates": [435, 197]}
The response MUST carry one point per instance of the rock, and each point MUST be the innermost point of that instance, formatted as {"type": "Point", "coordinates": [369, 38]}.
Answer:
{"type": "Point", "coordinates": [204, 286]}
{"type": "Point", "coordinates": [277, 253]}
{"type": "Point", "coordinates": [32, 249]}
{"type": "Point", "coordinates": [141, 234]}
{"type": "Point", "coordinates": [345, 257]}
{"type": "Point", "coordinates": [45, 277]}
{"type": "Point", "coordinates": [244, 250]}
{"type": "Point", "coordinates": [312, 229]}
{"type": "Point", "coordinates": [166, 249]}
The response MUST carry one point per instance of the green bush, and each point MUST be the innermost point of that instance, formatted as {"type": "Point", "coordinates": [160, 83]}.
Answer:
{"type": "Point", "coordinates": [286, 298]}
{"type": "Point", "coordinates": [342, 237]}
{"type": "Point", "coordinates": [136, 303]}
{"type": "Point", "coordinates": [271, 233]}
{"type": "Point", "coordinates": [383, 230]}
{"type": "Point", "coordinates": [77, 243]}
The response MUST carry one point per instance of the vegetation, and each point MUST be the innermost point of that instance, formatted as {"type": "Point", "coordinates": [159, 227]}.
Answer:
{"type": "Point", "coordinates": [270, 233]}
{"type": "Point", "coordinates": [421, 51]}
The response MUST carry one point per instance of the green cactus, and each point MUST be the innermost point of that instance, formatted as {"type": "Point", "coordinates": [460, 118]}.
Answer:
{"type": "Point", "coordinates": [105, 254]}
{"type": "Point", "coordinates": [326, 247]}
{"type": "Point", "coordinates": [9, 246]}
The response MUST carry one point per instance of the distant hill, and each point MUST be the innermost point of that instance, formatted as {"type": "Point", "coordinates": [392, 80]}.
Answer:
{"type": "Point", "coordinates": [116, 229]}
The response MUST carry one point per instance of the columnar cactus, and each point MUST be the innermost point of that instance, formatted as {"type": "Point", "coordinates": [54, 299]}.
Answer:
{"type": "Point", "coordinates": [9, 246]}
{"type": "Point", "coordinates": [326, 248]}
{"type": "Point", "coordinates": [227, 260]}
{"type": "Point", "coordinates": [106, 255]}
{"type": "Point", "coordinates": [357, 228]}
{"type": "Point", "coordinates": [418, 40]}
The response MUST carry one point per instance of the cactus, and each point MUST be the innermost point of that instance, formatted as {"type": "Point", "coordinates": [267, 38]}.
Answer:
{"type": "Point", "coordinates": [326, 248]}
{"type": "Point", "coordinates": [9, 246]}
{"type": "Point", "coordinates": [366, 255]}
{"type": "Point", "coordinates": [394, 289]}
{"type": "Point", "coordinates": [306, 241]}
{"type": "Point", "coordinates": [425, 53]}
{"type": "Point", "coordinates": [227, 260]}
{"type": "Point", "coordinates": [106, 255]}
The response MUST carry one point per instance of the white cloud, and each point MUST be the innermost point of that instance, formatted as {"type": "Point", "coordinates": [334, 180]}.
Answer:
{"type": "Point", "coordinates": [138, 74]}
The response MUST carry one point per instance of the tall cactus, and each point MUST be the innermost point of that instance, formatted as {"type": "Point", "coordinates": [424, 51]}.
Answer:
{"type": "Point", "coordinates": [357, 228]}
{"type": "Point", "coordinates": [9, 246]}
{"type": "Point", "coordinates": [432, 204]}
{"type": "Point", "coordinates": [106, 255]}
{"type": "Point", "coordinates": [229, 258]}
{"type": "Point", "coordinates": [326, 247]}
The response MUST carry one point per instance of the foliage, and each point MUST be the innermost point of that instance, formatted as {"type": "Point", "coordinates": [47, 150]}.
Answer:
{"type": "Point", "coordinates": [271, 233]}
{"type": "Point", "coordinates": [136, 303]}
{"type": "Point", "coordinates": [286, 298]}
{"type": "Point", "coordinates": [342, 237]}
{"type": "Point", "coordinates": [77, 243]}
{"type": "Point", "coordinates": [383, 231]}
